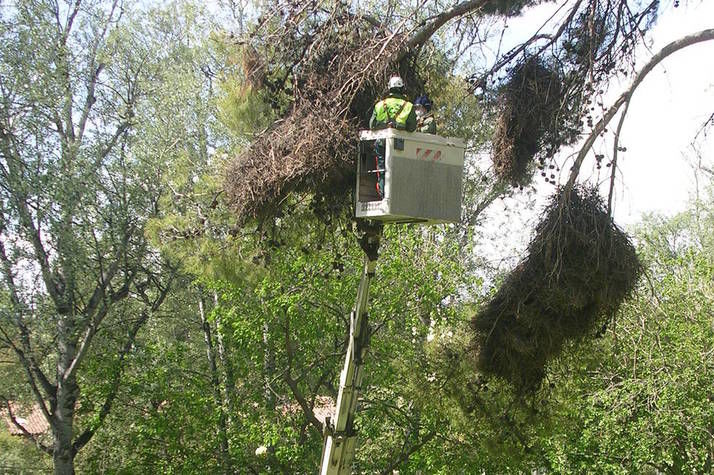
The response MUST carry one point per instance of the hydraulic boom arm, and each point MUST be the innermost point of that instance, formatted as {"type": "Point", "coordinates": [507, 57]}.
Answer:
{"type": "Point", "coordinates": [340, 435]}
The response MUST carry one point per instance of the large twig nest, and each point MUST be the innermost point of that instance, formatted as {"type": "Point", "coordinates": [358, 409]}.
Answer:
{"type": "Point", "coordinates": [533, 120]}
{"type": "Point", "coordinates": [580, 267]}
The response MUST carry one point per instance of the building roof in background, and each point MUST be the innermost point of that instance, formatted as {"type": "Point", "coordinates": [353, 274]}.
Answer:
{"type": "Point", "coordinates": [31, 418]}
{"type": "Point", "coordinates": [324, 408]}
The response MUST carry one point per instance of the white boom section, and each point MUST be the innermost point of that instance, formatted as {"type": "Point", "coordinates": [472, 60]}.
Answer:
{"type": "Point", "coordinates": [340, 436]}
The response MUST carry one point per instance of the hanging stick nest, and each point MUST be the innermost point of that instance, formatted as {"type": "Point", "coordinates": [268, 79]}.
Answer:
{"type": "Point", "coordinates": [342, 71]}
{"type": "Point", "coordinates": [534, 120]}
{"type": "Point", "coordinates": [580, 267]}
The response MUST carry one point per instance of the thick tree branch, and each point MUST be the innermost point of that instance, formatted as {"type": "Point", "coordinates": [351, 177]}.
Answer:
{"type": "Point", "coordinates": [93, 327]}
{"type": "Point", "coordinates": [86, 436]}
{"type": "Point", "coordinates": [427, 31]}
{"type": "Point", "coordinates": [20, 198]}
{"type": "Point", "coordinates": [292, 383]}
{"type": "Point", "coordinates": [25, 355]}
{"type": "Point", "coordinates": [94, 71]}
{"type": "Point", "coordinates": [100, 290]}
{"type": "Point", "coordinates": [304, 405]}
{"type": "Point", "coordinates": [70, 19]}
{"type": "Point", "coordinates": [228, 375]}
{"type": "Point", "coordinates": [118, 132]}
{"type": "Point", "coordinates": [613, 163]}
{"type": "Point", "coordinates": [105, 278]}
{"type": "Point", "coordinates": [89, 100]}
{"type": "Point", "coordinates": [215, 382]}
{"type": "Point", "coordinates": [704, 35]}
{"type": "Point", "coordinates": [29, 366]}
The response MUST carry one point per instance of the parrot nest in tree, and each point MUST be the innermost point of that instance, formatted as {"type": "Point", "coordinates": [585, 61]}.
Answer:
{"type": "Point", "coordinates": [312, 147]}
{"type": "Point", "coordinates": [534, 120]}
{"type": "Point", "coordinates": [580, 267]}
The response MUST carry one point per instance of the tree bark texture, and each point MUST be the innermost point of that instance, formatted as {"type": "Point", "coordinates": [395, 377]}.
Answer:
{"type": "Point", "coordinates": [225, 458]}
{"type": "Point", "coordinates": [62, 421]}
{"type": "Point", "coordinates": [229, 379]}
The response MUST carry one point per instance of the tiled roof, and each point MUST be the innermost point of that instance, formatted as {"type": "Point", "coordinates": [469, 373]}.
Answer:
{"type": "Point", "coordinates": [31, 419]}
{"type": "Point", "coordinates": [324, 407]}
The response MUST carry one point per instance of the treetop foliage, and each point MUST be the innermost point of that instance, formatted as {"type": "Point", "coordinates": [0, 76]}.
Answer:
{"type": "Point", "coordinates": [140, 312]}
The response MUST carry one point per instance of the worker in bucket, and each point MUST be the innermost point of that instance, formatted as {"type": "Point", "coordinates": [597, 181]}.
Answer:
{"type": "Point", "coordinates": [394, 111]}
{"type": "Point", "coordinates": [425, 119]}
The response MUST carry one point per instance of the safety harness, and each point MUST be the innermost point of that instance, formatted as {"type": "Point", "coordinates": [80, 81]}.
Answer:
{"type": "Point", "coordinates": [392, 121]}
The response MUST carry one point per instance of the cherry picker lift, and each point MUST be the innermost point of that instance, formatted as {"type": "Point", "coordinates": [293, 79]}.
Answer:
{"type": "Point", "coordinates": [422, 175]}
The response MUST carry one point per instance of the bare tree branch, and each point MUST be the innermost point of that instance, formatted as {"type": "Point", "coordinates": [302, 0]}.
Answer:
{"type": "Point", "coordinates": [479, 81]}
{"type": "Point", "coordinates": [424, 33]}
{"type": "Point", "coordinates": [707, 123]}
{"type": "Point", "coordinates": [613, 163]}
{"type": "Point", "coordinates": [25, 355]}
{"type": "Point", "coordinates": [94, 71]}
{"type": "Point", "coordinates": [292, 383]}
{"type": "Point", "coordinates": [704, 35]}
{"type": "Point", "coordinates": [70, 18]}
{"type": "Point", "coordinates": [20, 198]}
{"type": "Point", "coordinates": [105, 278]}
{"type": "Point", "coordinates": [29, 367]}
{"type": "Point", "coordinates": [93, 327]}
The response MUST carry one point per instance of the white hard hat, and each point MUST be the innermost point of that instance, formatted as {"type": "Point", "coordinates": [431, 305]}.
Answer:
{"type": "Point", "coordinates": [395, 82]}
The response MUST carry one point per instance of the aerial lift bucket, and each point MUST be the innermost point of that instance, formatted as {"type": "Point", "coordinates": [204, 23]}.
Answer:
{"type": "Point", "coordinates": [423, 181]}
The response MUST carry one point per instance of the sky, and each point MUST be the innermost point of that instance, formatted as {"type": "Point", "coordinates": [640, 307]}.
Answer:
{"type": "Point", "coordinates": [667, 111]}
{"type": "Point", "coordinates": [656, 174]}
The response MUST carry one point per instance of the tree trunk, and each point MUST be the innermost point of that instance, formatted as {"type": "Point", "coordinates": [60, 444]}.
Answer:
{"type": "Point", "coordinates": [268, 367]}
{"type": "Point", "coordinates": [225, 457]}
{"type": "Point", "coordinates": [67, 395]}
{"type": "Point", "coordinates": [62, 429]}
{"type": "Point", "coordinates": [228, 374]}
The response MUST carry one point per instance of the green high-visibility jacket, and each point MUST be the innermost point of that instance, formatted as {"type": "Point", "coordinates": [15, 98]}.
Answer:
{"type": "Point", "coordinates": [394, 110]}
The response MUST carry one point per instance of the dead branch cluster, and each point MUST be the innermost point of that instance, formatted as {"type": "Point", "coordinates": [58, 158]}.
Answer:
{"type": "Point", "coordinates": [579, 269]}
{"type": "Point", "coordinates": [334, 65]}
